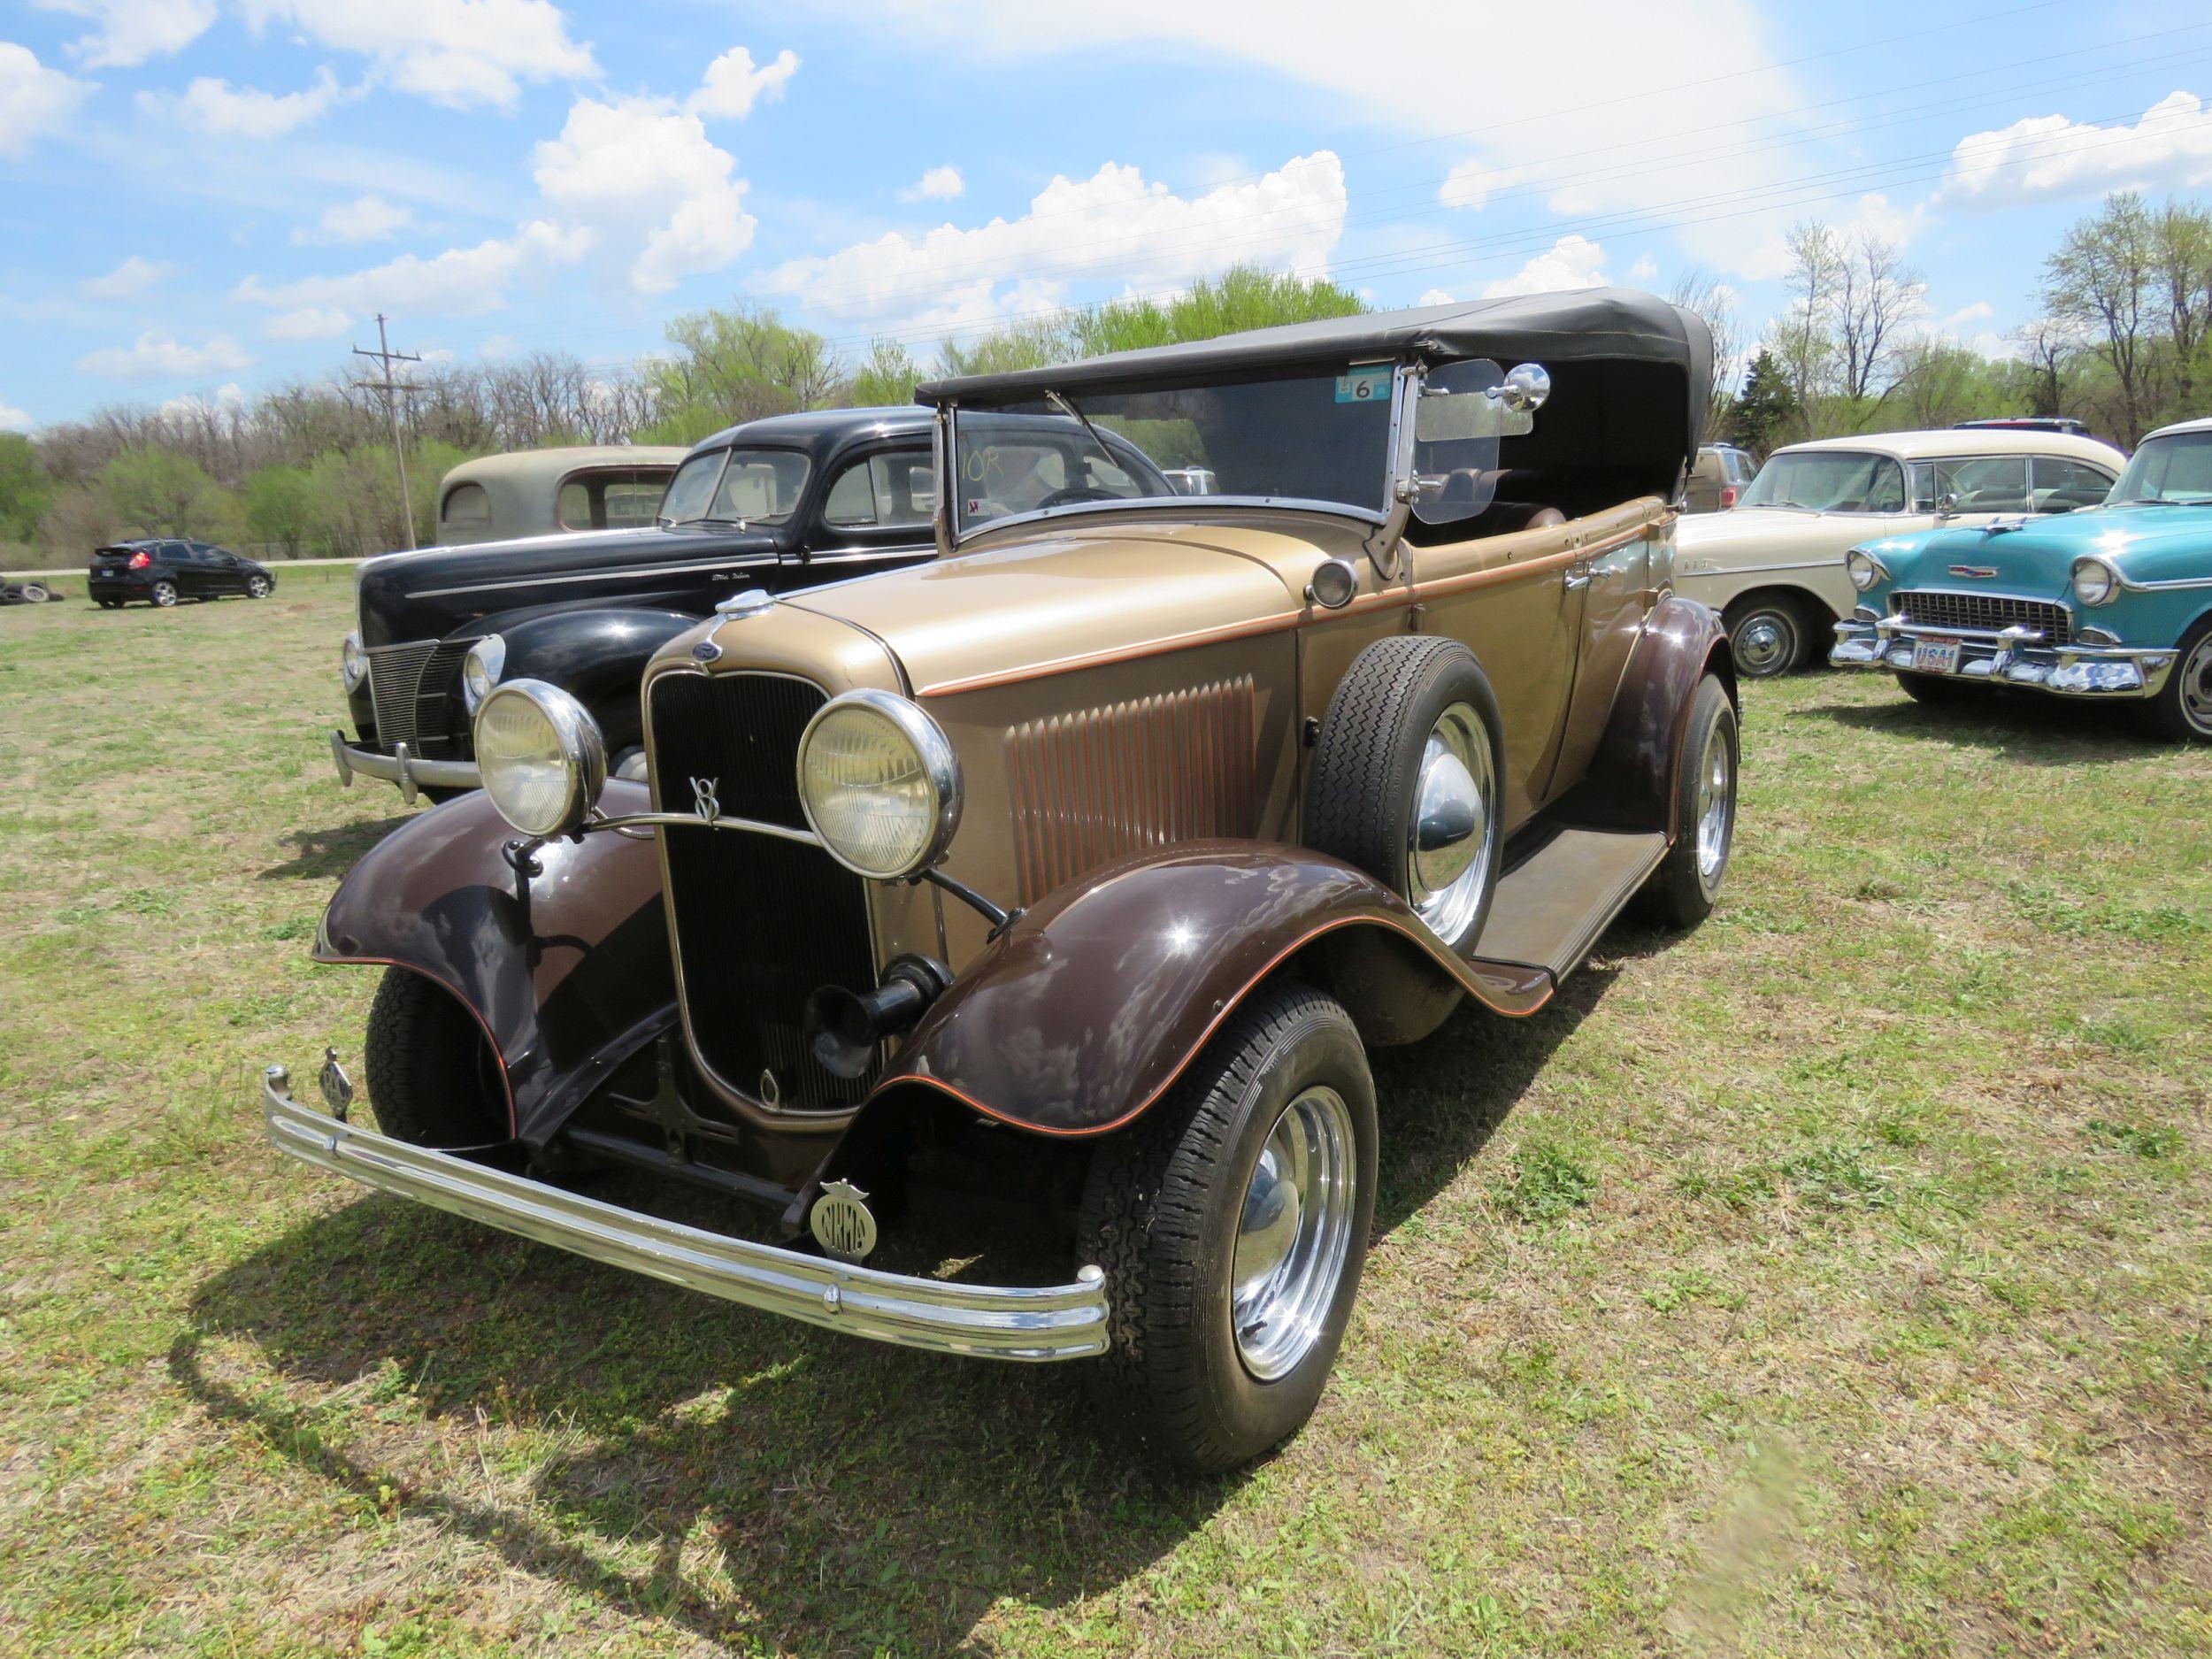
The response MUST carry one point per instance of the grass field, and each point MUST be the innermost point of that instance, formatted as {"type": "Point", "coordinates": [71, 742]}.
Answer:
{"type": "Point", "coordinates": [1835, 1280]}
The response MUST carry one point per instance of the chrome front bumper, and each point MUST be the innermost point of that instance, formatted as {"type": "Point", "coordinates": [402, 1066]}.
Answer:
{"type": "Point", "coordinates": [2015, 657]}
{"type": "Point", "coordinates": [985, 1321]}
{"type": "Point", "coordinates": [409, 772]}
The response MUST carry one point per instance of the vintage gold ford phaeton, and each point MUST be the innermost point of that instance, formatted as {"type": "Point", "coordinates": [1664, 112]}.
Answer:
{"type": "Point", "coordinates": [1086, 861]}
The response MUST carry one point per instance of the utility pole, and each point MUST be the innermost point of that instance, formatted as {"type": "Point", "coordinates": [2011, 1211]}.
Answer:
{"type": "Point", "coordinates": [393, 389]}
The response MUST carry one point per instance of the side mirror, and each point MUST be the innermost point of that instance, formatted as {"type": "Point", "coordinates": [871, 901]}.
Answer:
{"type": "Point", "coordinates": [1525, 388]}
{"type": "Point", "coordinates": [1946, 504]}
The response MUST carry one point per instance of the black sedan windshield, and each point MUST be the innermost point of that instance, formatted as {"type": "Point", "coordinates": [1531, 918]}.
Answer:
{"type": "Point", "coordinates": [753, 487]}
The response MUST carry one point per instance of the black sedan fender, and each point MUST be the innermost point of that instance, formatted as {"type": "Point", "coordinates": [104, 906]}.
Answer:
{"type": "Point", "coordinates": [598, 656]}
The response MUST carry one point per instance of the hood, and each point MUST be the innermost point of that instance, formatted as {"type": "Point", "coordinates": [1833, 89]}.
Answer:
{"type": "Point", "coordinates": [2033, 557]}
{"type": "Point", "coordinates": [427, 593]}
{"type": "Point", "coordinates": [1746, 527]}
{"type": "Point", "coordinates": [1062, 598]}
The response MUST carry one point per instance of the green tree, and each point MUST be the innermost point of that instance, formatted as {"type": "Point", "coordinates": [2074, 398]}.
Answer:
{"type": "Point", "coordinates": [1242, 297]}
{"type": "Point", "coordinates": [2102, 282]}
{"type": "Point", "coordinates": [1767, 409]}
{"type": "Point", "coordinates": [734, 365]}
{"type": "Point", "coordinates": [159, 492]}
{"type": "Point", "coordinates": [25, 489]}
{"type": "Point", "coordinates": [888, 375]}
{"type": "Point", "coordinates": [1026, 345]}
{"type": "Point", "coordinates": [280, 509]}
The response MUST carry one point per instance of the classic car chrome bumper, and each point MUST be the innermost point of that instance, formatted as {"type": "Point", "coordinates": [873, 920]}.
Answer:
{"type": "Point", "coordinates": [989, 1321]}
{"type": "Point", "coordinates": [2014, 656]}
{"type": "Point", "coordinates": [409, 772]}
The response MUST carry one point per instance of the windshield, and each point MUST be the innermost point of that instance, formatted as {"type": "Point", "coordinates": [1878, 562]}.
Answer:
{"type": "Point", "coordinates": [1828, 480]}
{"type": "Point", "coordinates": [1303, 437]}
{"type": "Point", "coordinates": [739, 487]}
{"type": "Point", "coordinates": [2177, 468]}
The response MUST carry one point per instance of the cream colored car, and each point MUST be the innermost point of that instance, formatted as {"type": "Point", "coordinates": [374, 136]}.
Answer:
{"type": "Point", "coordinates": [1773, 567]}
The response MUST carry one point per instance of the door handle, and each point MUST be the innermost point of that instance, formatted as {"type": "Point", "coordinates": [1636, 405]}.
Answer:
{"type": "Point", "coordinates": [1578, 578]}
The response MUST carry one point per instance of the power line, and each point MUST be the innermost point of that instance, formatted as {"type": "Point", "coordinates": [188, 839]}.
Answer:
{"type": "Point", "coordinates": [393, 388]}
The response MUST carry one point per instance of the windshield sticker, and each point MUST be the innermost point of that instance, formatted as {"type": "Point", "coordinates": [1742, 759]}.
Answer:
{"type": "Point", "coordinates": [1370, 385]}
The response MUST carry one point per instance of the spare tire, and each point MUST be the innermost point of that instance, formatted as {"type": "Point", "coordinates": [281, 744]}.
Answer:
{"type": "Point", "coordinates": [1405, 781]}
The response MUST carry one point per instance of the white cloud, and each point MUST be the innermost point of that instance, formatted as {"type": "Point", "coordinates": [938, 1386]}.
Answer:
{"type": "Point", "coordinates": [496, 346]}
{"type": "Point", "coordinates": [733, 84]}
{"type": "Point", "coordinates": [133, 276]}
{"type": "Point", "coordinates": [157, 355]}
{"type": "Point", "coordinates": [214, 106]}
{"type": "Point", "coordinates": [1468, 184]}
{"type": "Point", "coordinates": [2047, 158]}
{"type": "Point", "coordinates": [460, 281]}
{"type": "Point", "coordinates": [1644, 273]}
{"type": "Point", "coordinates": [454, 52]}
{"type": "Point", "coordinates": [14, 419]}
{"type": "Point", "coordinates": [309, 322]}
{"type": "Point", "coordinates": [33, 99]}
{"type": "Point", "coordinates": [1873, 215]}
{"type": "Point", "coordinates": [939, 184]}
{"type": "Point", "coordinates": [1113, 224]}
{"type": "Point", "coordinates": [1436, 297]}
{"type": "Point", "coordinates": [1572, 262]}
{"type": "Point", "coordinates": [1980, 310]}
{"type": "Point", "coordinates": [131, 31]}
{"type": "Point", "coordinates": [1639, 74]}
{"type": "Point", "coordinates": [640, 173]}
{"type": "Point", "coordinates": [365, 219]}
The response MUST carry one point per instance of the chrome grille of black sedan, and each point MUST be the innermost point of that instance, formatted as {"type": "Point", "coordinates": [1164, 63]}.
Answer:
{"type": "Point", "coordinates": [1988, 613]}
{"type": "Point", "coordinates": [415, 690]}
{"type": "Point", "coordinates": [759, 923]}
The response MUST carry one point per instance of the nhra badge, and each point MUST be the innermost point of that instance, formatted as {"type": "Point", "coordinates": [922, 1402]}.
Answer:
{"type": "Point", "coordinates": [842, 1222]}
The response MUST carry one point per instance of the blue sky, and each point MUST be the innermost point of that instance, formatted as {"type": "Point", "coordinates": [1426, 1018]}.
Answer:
{"type": "Point", "coordinates": [203, 194]}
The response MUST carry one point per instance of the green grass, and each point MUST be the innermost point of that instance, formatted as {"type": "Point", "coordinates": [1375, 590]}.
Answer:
{"type": "Point", "coordinates": [1835, 1280]}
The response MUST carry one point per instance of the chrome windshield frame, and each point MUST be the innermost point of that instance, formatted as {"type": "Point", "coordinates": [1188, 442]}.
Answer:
{"type": "Point", "coordinates": [1388, 521]}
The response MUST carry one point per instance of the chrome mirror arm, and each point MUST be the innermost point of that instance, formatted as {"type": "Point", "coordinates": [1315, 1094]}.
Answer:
{"type": "Point", "coordinates": [1385, 541]}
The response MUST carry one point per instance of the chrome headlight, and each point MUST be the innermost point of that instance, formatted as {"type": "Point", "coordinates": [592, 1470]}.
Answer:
{"type": "Point", "coordinates": [2095, 583]}
{"type": "Point", "coordinates": [880, 785]}
{"type": "Point", "coordinates": [1863, 569]}
{"type": "Point", "coordinates": [353, 664]}
{"type": "Point", "coordinates": [540, 756]}
{"type": "Point", "coordinates": [479, 669]}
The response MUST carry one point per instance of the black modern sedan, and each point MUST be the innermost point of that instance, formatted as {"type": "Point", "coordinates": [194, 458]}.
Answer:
{"type": "Point", "coordinates": [163, 571]}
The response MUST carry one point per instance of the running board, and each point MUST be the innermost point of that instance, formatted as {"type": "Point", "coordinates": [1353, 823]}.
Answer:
{"type": "Point", "coordinates": [1551, 908]}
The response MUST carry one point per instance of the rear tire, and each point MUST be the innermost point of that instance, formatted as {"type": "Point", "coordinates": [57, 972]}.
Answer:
{"type": "Point", "coordinates": [2182, 712]}
{"type": "Point", "coordinates": [1934, 690]}
{"type": "Point", "coordinates": [431, 1073]}
{"type": "Point", "coordinates": [1679, 894]}
{"type": "Point", "coordinates": [1232, 1222]}
{"type": "Point", "coordinates": [164, 594]}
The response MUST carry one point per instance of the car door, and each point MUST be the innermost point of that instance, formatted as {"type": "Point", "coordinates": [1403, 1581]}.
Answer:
{"type": "Point", "coordinates": [875, 513]}
{"type": "Point", "coordinates": [224, 574]}
{"type": "Point", "coordinates": [180, 565]}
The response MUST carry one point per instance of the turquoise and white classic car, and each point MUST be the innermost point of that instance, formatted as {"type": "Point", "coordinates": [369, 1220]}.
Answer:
{"type": "Point", "coordinates": [2111, 602]}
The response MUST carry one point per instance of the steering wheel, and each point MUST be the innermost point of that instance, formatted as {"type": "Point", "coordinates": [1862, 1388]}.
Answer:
{"type": "Point", "coordinates": [1074, 492]}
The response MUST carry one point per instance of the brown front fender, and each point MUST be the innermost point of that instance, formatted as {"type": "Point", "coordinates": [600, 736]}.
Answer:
{"type": "Point", "coordinates": [1630, 785]}
{"type": "Point", "coordinates": [1090, 1006]}
{"type": "Point", "coordinates": [568, 976]}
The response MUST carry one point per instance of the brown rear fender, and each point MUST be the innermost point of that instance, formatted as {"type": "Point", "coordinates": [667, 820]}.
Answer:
{"type": "Point", "coordinates": [567, 981]}
{"type": "Point", "coordinates": [1630, 785]}
{"type": "Point", "coordinates": [1089, 1007]}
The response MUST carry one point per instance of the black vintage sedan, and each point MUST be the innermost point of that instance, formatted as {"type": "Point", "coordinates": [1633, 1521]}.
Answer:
{"type": "Point", "coordinates": [161, 572]}
{"type": "Point", "coordinates": [787, 501]}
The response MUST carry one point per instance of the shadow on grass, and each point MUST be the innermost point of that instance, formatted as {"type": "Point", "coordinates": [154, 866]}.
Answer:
{"type": "Point", "coordinates": [322, 855]}
{"type": "Point", "coordinates": [857, 1498]}
{"type": "Point", "coordinates": [2031, 727]}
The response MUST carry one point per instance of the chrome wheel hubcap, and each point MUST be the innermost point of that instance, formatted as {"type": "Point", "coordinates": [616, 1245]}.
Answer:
{"type": "Point", "coordinates": [1716, 807]}
{"type": "Point", "coordinates": [1292, 1233]}
{"type": "Point", "coordinates": [1453, 828]}
{"type": "Point", "coordinates": [2196, 685]}
{"type": "Point", "coordinates": [1764, 644]}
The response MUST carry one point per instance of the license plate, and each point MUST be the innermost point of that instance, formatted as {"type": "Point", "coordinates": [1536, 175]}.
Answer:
{"type": "Point", "coordinates": [1935, 656]}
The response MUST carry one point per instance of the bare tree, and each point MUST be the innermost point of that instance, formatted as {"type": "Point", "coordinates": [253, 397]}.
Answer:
{"type": "Point", "coordinates": [2103, 280]}
{"type": "Point", "coordinates": [1876, 294]}
{"type": "Point", "coordinates": [1714, 302]}
{"type": "Point", "coordinates": [1801, 344]}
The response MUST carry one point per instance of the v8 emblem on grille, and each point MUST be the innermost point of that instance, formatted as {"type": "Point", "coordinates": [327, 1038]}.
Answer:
{"type": "Point", "coordinates": [702, 799]}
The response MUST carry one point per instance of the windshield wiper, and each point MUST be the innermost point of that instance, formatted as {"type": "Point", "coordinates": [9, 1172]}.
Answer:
{"type": "Point", "coordinates": [1067, 406]}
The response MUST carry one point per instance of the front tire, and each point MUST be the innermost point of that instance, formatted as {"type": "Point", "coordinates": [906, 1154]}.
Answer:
{"type": "Point", "coordinates": [2181, 711]}
{"type": "Point", "coordinates": [1680, 893]}
{"type": "Point", "coordinates": [257, 587]}
{"type": "Point", "coordinates": [1232, 1222]}
{"type": "Point", "coordinates": [431, 1073]}
{"type": "Point", "coordinates": [1767, 635]}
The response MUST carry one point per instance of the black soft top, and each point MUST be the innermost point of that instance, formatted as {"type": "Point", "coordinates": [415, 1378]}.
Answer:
{"type": "Point", "coordinates": [1640, 362]}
